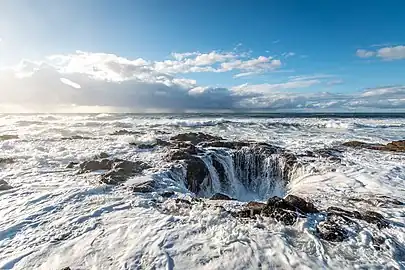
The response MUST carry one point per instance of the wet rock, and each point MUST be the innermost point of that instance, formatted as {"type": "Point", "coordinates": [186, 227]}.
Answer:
{"type": "Point", "coordinates": [95, 165]}
{"type": "Point", "coordinates": [194, 138]}
{"type": "Point", "coordinates": [8, 137]}
{"type": "Point", "coordinates": [301, 204]}
{"type": "Point", "coordinates": [167, 194]}
{"type": "Point", "coordinates": [66, 268]}
{"type": "Point", "coordinates": [182, 201]}
{"type": "Point", "coordinates": [145, 146]}
{"type": "Point", "coordinates": [71, 165]}
{"type": "Point", "coordinates": [220, 196]}
{"type": "Point", "coordinates": [251, 210]}
{"type": "Point", "coordinates": [161, 142]}
{"type": "Point", "coordinates": [75, 137]}
{"type": "Point", "coordinates": [220, 170]}
{"type": "Point", "coordinates": [331, 229]}
{"type": "Point", "coordinates": [125, 132]}
{"type": "Point", "coordinates": [186, 152]}
{"type": "Point", "coordinates": [4, 185]}
{"type": "Point", "coordinates": [197, 172]}
{"type": "Point", "coordinates": [226, 144]}
{"type": "Point", "coordinates": [280, 210]}
{"type": "Point", "coordinates": [368, 216]}
{"type": "Point", "coordinates": [375, 218]}
{"type": "Point", "coordinates": [101, 155]}
{"type": "Point", "coordinates": [144, 187]}
{"type": "Point", "coordinates": [394, 146]}
{"type": "Point", "coordinates": [6, 161]}
{"type": "Point", "coordinates": [121, 170]}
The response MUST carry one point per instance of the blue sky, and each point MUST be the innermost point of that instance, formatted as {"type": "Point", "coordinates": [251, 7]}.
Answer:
{"type": "Point", "coordinates": [339, 47]}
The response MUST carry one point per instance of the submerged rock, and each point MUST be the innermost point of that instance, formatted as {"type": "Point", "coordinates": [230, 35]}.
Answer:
{"type": "Point", "coordinates": [220, 196]}
{"type": "Point", "coordinates": [331, 229]}
{"type": "Point", "coordinates": [394, 146]}
{"type": "Point", "coordinates": [6, 161]}
{"type": "Point", "coordinates": [8, 137]}
{"type": "Point", "coordinates": [367, 216]}
{"type": "Point", "coordinates": [118, 170]}
{"type": "Point", "coordinates": [4, 185]}
{"type": "Point", "coordinates": [75, 137]}
{"type": "Point", "coordinates": [301, 204]}
{"type": "Point", "coordinates": [125, 132]}
{"type": "Point", "coordinates": [197, 172]}
{"type": "Point", "coordinates": [71, 165]}
{"type": "Point", "coordinates": [280, 210]}
{"type": "Point", "coordinates": [194, 138]}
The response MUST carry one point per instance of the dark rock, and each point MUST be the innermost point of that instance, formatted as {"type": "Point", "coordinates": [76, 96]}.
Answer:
{"type": "Point", "coordinates": [167, 194]}
{"type": "Point", "coordinates": [368, 216]}
{"type": "Point", "coordinates": [182, 201]}
{"type": "Point", "coordinates": [125, 132]}
{"type": "Point", "coordinates": [161, 142]}
{"type": "Point", "coordinates": [375, 218]}
{"type": "Point", "coordinates": [331, 230]}
{"type": "Point", "coordinates": [186, 152]}
{"type": "Point", "coordinates": [95, 165]}
{"type": "Point", "coordinates": [195, 138]}
{"type": "Point", "coordinates": [394, 146]}
{"type": "Point", "coordinates": [225, 144]}
{"type": "Point", "coordinates": [144, 187]}
{"type": "Point", "coordinates": [71, 165]}
{"type": "Point", "coordinates": [66, 268]}
{"type": "Point", "coordinates": [8, 137]}
{"type": "Point", "coordinates": [4, 185]}
{"type": "Point", "coordinates": [301, 204]}
{"type": "Point", "coordinates": [252, 209]}
{"type": "Point", "coordinates": [280, 210]}
{"type": "Point", "coordinates": [145, 146]}
{"type": "Point", "coordinates": [6, 161]}
{"type": "Point", "coordinates": [101, 155]}
{"type": "Point", "coordinates": [220, 196]}
{"type": "Point", "coordinates": [220, 170]}
{"type": "Point", "coordinates": [197, 172]}
{"type": "Point", "coordinates": [75, 137]}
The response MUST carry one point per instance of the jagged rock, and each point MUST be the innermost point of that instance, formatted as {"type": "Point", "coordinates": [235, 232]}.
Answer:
{"type": "Point", "coordinates": [186, 152]}
{"type": "Point", "coordinates": [381, 200]}
{"type": "Point", "coordinates": [167, 194]}
{"type": "Point", "coordinates": [280, 210]}
{"type": "Point", "coordinates": [197, 172]}
{"type": "Point", "coordinates": [4, 185]}
{"type": "Point", "coordinates": [144, 187]}
{"type": "Point", "coordinates": [101, 155]}
{"type": "Point", "coordinates": [125, 132]}
{"type": "Point", "coordinates": [6, 160]}
{"type": "Point", "coordinates": [71, 165]}
{"type": "Point", "coordinates": [145, 146]}
{"type": "Point", "coordinates": [220, 170]}
{"type": "Point", "coordinates": [195, 138]}
{"type": "Point", "coordinates": [301, 204]}
{"type": "Point", "coordinates": [226, 144]}
{"type": "Point", "coordinates": [121, 170]}
{"type": "Point", "coordinates": [368, 216]}
{"type": "Point", "coordinates": [8, 137]}
{"type": "Point", "coordinates": [75, 137]}
{"type": "Point", "coordinates": [66, 268]}
{"type": "Point", "coordinates": [182, 201]}
{"type": "Point", "coordinates": [161, 142]}
{"type": "Point", "coordinates": [95, 165]}
{"type": "Point", "coordinates": [118, 170]}
{"type": "Point", "coordinates": [331, 229]}
{"type": "Point", "coordinates": [220, 196]}
{"type": "Point", "coordinates": [394, 146]}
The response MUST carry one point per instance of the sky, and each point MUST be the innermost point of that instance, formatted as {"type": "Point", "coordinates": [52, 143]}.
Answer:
{"type": "Point", "coordinates": [180, 55]}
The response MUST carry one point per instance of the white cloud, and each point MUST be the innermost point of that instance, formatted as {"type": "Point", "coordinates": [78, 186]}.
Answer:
{"type": "Point", "coordinates": [70, 83]}
{"type": "Point", "coordinates": [364, 53]}
{"type": "Point", "coordinates": [385, 53]}
{"type": "Point", "coordinates": [267, 88]}
{"type": "Point", "coordinates": [392, 53]}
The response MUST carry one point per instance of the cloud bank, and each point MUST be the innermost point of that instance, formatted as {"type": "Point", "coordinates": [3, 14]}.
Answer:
{"type": "Point", "coordinates": [385, 53]}
{"type": "Point", "coordinates": [100, 80]}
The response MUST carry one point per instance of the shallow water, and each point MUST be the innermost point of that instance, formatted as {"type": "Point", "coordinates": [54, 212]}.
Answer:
{"type": "Point", "coordinates": [55, 218]}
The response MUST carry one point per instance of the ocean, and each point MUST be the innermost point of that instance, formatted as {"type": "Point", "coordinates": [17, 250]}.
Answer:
{"type": "Point", "coordinates": [56, 212]}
